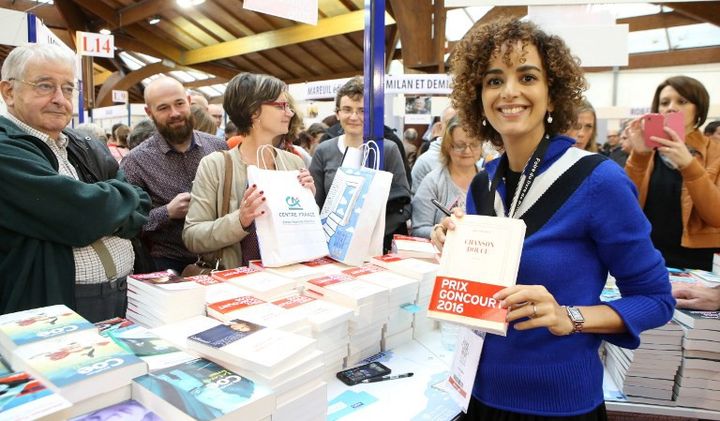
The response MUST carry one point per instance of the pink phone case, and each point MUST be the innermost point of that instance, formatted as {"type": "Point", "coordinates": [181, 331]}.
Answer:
{"type": "Point", "coordinates": [653, 126]}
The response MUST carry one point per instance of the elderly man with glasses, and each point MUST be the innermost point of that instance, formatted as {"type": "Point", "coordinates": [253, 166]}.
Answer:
{"type": "Point", "coordinates": [67, 211]}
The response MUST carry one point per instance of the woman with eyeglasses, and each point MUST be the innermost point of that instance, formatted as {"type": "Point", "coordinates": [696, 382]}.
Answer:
{"type": "Point", "coordinates": [258, 105]}
{"type": "Point", "coordinates": [679, 182]}
{"type": "Point", "coordinates": [448, 184]}
{"type": "Point", "coordinates": [344, 150]}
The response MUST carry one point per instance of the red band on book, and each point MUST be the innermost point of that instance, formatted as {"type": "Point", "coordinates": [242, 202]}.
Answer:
{"type": "Point", "coordinates": [389, 258]}
{"type": "Point", "coordinates": [456, 386]}
{"type": "Point", "coordinates": [467, 298]}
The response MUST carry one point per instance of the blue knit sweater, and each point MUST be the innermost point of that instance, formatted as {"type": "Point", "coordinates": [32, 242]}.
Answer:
{"type": "Point", "coordinates": [599, 228]}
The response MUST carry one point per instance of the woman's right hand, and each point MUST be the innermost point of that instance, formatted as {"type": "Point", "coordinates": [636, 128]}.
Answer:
{"type": "Point", "coordinates": [251, 206]}
{"type": "Point", "coordinates": [636, 138]}
{"type": "Point", "coordinates": [437, 235]}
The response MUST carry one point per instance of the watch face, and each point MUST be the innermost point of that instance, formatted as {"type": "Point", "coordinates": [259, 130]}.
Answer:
{"type": "Point", "coordinates": [575, 314]}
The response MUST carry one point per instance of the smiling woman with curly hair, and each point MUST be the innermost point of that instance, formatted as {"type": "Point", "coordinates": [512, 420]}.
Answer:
{"type": "Point", "coordinates": [517, 87]}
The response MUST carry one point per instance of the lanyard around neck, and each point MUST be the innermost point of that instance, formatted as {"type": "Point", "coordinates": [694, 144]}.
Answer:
{"type": "Point", "coordinates": [527, 180]}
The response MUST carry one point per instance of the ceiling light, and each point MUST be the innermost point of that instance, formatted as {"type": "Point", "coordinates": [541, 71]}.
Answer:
{"type": "Point", "coordinates": [189, 3]}
{"type": "Point", "coordinates": [154, 20]}
{"type": "Point", "coordinates": [105, 31]}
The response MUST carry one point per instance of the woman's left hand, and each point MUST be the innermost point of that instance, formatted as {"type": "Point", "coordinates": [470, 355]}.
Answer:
{"type": "Point", "coordinates": [306, 180]}
{"type": "Point", "coordinates": [674, 149]}
{"type": "Point", "coordinates": [537, 305]}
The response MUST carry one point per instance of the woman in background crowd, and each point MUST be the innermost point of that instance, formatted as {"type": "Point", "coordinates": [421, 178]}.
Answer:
{"type": "Point", "coordinates": [448, 184]}
{"type": "Point", "coordinates": [287, 141]}
{"type": "Point", "coordinates": [516, 86]}
{"type": "Point", "coordinates": [202, 120]}
{"type": "Point", "coordinates": [140, 132]}
{"type": "Point", "coordinates": [310, 138]}
{"type": "Point", "coordinates": [119, 148]}
{"type": "Point", "coordinates": [585, 129]}
{"type": "Point", "coordinates": [258, 106]}
{"type": "Point", "coordinates": [679, 182]}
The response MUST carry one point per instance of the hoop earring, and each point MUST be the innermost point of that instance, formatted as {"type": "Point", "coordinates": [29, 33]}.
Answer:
{"type": "Point", "coordinates": [549, 118]}
{"type": "Point", "coordinates": [484, 122]}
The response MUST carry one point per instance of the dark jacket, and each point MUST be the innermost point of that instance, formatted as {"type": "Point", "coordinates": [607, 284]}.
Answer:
{"type": "Point", "coordinates": [45, 214]}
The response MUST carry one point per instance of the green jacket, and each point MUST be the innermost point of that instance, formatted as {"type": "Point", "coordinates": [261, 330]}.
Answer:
{"type": "Point", "coordinates": [43, 214]}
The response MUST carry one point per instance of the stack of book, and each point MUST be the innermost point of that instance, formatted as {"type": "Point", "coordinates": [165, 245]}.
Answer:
{"type": "Point", "coordinates": [287, 363]}
{"type": "Point", "coordinates": [422, 271]}
{"type": "Point", "coordinates": [305, 270]}
{"type": "Point", "coordinates": [65, 352]}
{"type": "Point", "coordinates": [369, 303]}
{"type": "Point", "coordinates": [203, 390]}
{"type": "Point", "coordinates": [329, 323]}
{"type": "Point", "coordinates": [706, 278]}
{"type": "Point", "coordinates": [253, 309]}
{"type": "Point", "coordinates": [402, 291]}
{"type": "Point", "coordinates": [261, 283]}
{"type": "Point", "coordinates": [698, 382]}
{"type": "Point", "coordinates": [647, 374]}
{"type": "Point", "coordinates": [148, 346]}
{"type": "Point", "coordinates": [416, 247]}
{"type": "Point", "coordinates": [216, 290]}
{"type": "Point", "coordinates": [157, 298]}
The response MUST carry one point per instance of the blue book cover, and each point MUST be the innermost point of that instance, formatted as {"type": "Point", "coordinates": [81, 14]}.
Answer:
{"type": "Point", "coordinates": [27, 398]}
{"type": "Point", "coordinates": [127, 411]}
{"type": "Point", "coordinates": [25, 327]}
{"type": "Point", "coordinates": [204, 390]}
{"type": "Point", "coordinates": [67, 360]}
{"type": "Point", "coordinates": [222, 335]}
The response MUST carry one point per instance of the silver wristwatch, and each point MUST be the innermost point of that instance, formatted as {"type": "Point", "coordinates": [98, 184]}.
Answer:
{"type": "Point", "coordinates": [576, 318]}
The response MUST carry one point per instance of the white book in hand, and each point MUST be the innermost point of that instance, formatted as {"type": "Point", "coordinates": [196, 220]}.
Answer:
{"type": "Point", "coordinates": [480, 257]}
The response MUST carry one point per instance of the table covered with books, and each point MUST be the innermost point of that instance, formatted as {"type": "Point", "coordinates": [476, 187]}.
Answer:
{"type": "Point", "coordinates": [258, 343]}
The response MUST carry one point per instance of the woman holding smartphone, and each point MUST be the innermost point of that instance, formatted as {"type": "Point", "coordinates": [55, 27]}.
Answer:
{"type": "Point", "coordinates": [459, 154]}
{"type": "Point", "coordinates": [679, 182]}
{"type": "Point", "coordinates": [517, 86]}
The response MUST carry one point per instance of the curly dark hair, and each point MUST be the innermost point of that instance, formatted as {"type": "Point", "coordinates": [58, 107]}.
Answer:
{"type": "Point", "coordinates": [473, 54]}
{"type": "Point", "coordinates": [353, 89]}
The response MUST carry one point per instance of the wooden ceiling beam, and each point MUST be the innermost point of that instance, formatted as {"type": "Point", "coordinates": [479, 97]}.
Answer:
{"type": "Point", "coordinates": [337, 25]}
{"type": "Point", "coordinates": [133, 78]}
{"type": "Point", "coordinates": [100, 10]}
{"type": "Point", "coordinates": [75, 19]}
{"type": "Point", "coordinates": [701, 11]}
{"type": "Point", "coordinates": [657, 21]}
{"type": "Point", "coordinates": [159, 45]}
{"type": "Point", "coordinates": [141, 11]}
{"type": "Point", "coordinates": [674, 58]}
{"type": "Point", "coordinates": [204, 82]}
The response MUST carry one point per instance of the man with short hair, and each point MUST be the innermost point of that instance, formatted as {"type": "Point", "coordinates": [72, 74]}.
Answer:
{"type": "Point", "coordinates": [430, 159]}
{"type": "Point", "coordinates": [164, 166]}
{"type": "Point", "coordinates": [67, 211]}
{"type": "Point", "coordinates": [216, 111]}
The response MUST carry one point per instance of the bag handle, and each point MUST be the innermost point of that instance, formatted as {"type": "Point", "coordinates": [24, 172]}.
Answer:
{"type": "Point", "coordinates": [260, 157]}
{"type": "Point", "coordinates": [368, 146]}
{"type": "Point", "coordinates": [225, 207]}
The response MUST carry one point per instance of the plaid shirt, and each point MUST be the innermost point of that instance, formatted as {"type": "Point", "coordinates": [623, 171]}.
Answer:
{"type": "Point", "coordinates": [163, 173]}
{"type": "Point", "coordinates": [88, 267]}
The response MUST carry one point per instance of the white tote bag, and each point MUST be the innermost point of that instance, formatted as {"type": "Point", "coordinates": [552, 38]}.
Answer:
{"type": "Point", "coordinates": [290, 230]}
{"type": "Point", "coordinates": [353, 216]}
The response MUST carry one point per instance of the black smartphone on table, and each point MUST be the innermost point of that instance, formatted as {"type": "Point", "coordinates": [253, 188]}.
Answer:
{"type": "Point", "coordinates": [355, 375]}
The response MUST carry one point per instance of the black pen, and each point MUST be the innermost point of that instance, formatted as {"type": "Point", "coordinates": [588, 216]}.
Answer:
{"type": "Point", "coordinates": [383, 378]}
{"type": "Point", "coordinates": [440, 206]}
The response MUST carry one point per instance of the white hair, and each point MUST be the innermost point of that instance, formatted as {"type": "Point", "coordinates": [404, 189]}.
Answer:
{"type": "Point", "coordinates": [16, 62]}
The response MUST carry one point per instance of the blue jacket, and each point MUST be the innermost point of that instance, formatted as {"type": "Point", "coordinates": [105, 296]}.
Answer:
{"type": "Point", "coordinates": [599, 228]}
